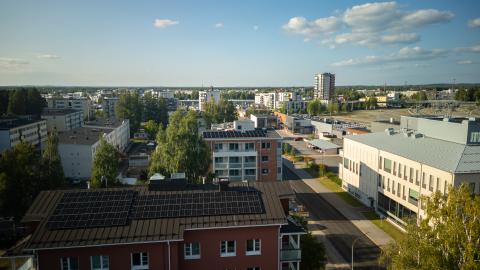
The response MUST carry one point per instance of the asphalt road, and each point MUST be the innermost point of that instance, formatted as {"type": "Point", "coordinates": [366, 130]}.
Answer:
{"type": "Point", "coordinates": [337, 230]}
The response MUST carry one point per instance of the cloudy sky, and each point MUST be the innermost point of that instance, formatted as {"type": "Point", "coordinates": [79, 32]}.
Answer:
{"type": "Point", "coordinates": [238, 43]}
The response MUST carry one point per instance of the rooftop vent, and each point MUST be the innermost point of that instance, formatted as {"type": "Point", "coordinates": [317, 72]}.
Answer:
{"type": "Point", "coordinates": [389, 131]}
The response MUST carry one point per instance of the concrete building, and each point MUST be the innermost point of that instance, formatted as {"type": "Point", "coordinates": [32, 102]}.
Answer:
{"type": "Point", "coordinates": [249, 228]}
{"type": "Point", "coordinates": [77, 147]}
{"type": "Point", "coordinates": [62, 119]}
{"type": "Point", "coordinates": [206, 96]}
{"type": "Point", "coordinates": [109, 105]}
{"type": "Point", "coordinates": [264, 120]}
{"type": "Point", "coordinates": [75, 103]}
{"type": "Point", "coordinates": [267, 100]}
{"type": "Point", "coordinates": [254, 155]}
{"type": "Point", "coordinates": [16, 130]}
{"type": "Point", "coordinates": [324, 87]}
{"type": "Point", "coordinates": [391, 170]}
{"type": "Point", "coordinates": [295, 124]}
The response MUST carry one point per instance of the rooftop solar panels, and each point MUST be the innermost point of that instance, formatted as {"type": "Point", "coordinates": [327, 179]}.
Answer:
{"type": "Point", "coordinates": [234, 134]}
{"type": "Point", "coordinates": [197, 204]}
{"type": "Point", "coordinates": [92, 209]}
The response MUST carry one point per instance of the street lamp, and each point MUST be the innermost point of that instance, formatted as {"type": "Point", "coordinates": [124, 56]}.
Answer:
{"type": "Point", "coordinates": [353, 244]}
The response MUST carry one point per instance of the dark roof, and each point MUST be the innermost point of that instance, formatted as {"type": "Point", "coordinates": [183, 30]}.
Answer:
{"type": "Point", "coordinates": [46, 112]}
{"type": "Point", "coordinates": [82, 135]}
{"type": "Point", "coordinates": [9, 123]}
{"type": "Point", "coordinates": [292, 227]}
{"type": "Point", "coordinates": [232, 134]}
{"type": "Point", "coordinates": [156, 228]}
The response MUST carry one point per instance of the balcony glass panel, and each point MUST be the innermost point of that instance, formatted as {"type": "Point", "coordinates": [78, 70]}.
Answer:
{"type": "Point", "coordinates": [290, 254]}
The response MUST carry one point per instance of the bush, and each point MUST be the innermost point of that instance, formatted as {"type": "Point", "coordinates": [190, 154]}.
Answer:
{"type": "Point", "coordinates": [334, 178]}
{"type": "Point", "coordinates": [322, 170]}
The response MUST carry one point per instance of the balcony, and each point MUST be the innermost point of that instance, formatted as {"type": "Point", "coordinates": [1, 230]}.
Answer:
{"type": "Point", "coordinates": [250, 177]}
{"type": "Point", "coordinates": [235, 178]}
{"type": "Point", "coordinates": [221, 165]}
{"type": "Point", "coordinates": [235, 165]}
{"type": "Point", "coordinates": [250, 165]}
{"type": "Point", "coordinates": [290, 255]}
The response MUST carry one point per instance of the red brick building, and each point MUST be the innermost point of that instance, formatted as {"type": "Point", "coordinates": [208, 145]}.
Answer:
{"type": "Point", "coordinates": [253, 155]}
{"type": "Point", "coordinates": [237, 227]}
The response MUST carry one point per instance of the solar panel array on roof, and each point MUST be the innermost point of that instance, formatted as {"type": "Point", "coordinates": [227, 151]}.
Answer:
{"type": "Point", "coordinates": [92, 209]}
{"type": "Point", "coordinates": [234, 134]}
{"type": "Point", "coordinates": [197, 204]}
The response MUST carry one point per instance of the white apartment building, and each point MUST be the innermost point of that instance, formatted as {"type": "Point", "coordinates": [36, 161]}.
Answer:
{"type": "Point", "coordinates": [160, 93]}
{"type": "Point", "coordinates": [267, 100]}
{"type": "Point", "coordinates": [206, 96]}
{"type": "Point", "coordinates": [77, 147]}
{"type": "Point", "coordinates": [109, 105]}
{"type": "Point", "coordinates": [391, 170]}
{"type": "Point", "coordinates": [324, 87]}
{"type": "Point", "coordinates": [62, 119]}
{"type": "Point", "coordinates": [75, 103]}
{"type": "Point", "coordinates": [16, 130]}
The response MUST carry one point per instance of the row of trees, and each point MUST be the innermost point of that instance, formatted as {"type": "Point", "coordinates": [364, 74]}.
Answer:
{"type": "Point", "coordinates": [219, 112]}
{"type": "Point", "coordinates": [21, 101]}
{"type": "Point", "coordinates": [184, 95]}
{"type": "Point", "coordinates": [238, 95]}
{"type": "Point", "coordinates": [137, 109]}
{"type": "Point", "coordinates": [24, 172]}
{"type": "Point", "coordinates": [471, 94]}
{"type": "Point", "coordinates": [180, 148]}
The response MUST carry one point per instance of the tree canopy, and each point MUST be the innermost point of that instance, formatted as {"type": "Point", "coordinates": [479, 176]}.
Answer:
{"type": "Point", "coordinates": [219, 112]}
{"type": "Point", "coordinates": [180, 147]}
{"type": "Point", "coordinates": [447, 238]}
{"type": "Point", "coordinates": [105, 164]}
{"type": "Point", "coordinates": [22, 101]}
{"type": "Point", "coordinates": [129, 107]}
{"type": "Point", "coordinates": [51, 164]}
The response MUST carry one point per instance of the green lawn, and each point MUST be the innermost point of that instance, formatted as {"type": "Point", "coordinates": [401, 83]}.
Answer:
{"type": "Point", "coordinates": [384, 225]}
{"type": "Point", "coordinates": [339, 191]}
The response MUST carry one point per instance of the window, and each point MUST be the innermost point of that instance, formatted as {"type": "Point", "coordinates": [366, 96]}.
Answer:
{"type": "Point", "coordinates": [233, 146]}
{"type": "Point", "coordinates": [99, 262]}
{"type": "Point", "coordinates": [250, 172]}
{"type": "Point", "coordinates": [424, 176]}
{"type": "Point", "coordinates": [438, 184]}
{"type": "Point", "coordinates": [475, 137]}
{"type": "Point", "coordinates": [381, 163]}
{"type": "Point", "coordinates": [398, 189]}
{"type": "Point", "coordinates": [218, 147]}
{"type": "Point", "coordinates": [413, 196]}
{"type": "Point", "coordinates": [399, 170]}
{"type": "Point", "coordinates": [379, 180]}
{"type": "Point", "coordinates": [253, 268]}
{"type": "Point", "coordinates": [445, 187]}
{"type": "Point", "coordinates": [218, 159]}
{"type": "Point", "coordinates": [345, 163]}
{"type": "Point", "coordinates": [265, 145]}
{"type": "Point", "coordinates": [411, 175]}
{"type": "Point", "coordinates": [387, 165]}
{"type": "Point", "coordinates": [253, 247]}
{"type": "Point", "coordinates": [234, 160]}
{"type": "Point", "coordinates": [249, 146]}
{"type": "Point", "coordinates": [404, 172]}
{"type": "Point", "coordinates": [417, 181]}
{"type": "Point", "coordinates": [69, 263]}
{"type": "Point", "coordinates": [393, 186]}
{"type": "Point", "coordinates": [264, 158]}
{"type": "Point", "coordinates": [234, 172]}
{"type": "Point", "coordinates": [394, 168]}
{"type": "Point", "coordinates": [404, 196]}
{"type": "Point", "coordinates": [140, 261]}
{"type": "Point", "coordinates": [228, 248]}
{"type": "Point", "coordinates": [388, 184]}
{"type": "Point", "coordinates": [430, 183]}
{"type": "Point", "coordinates": [264, 171]}
{"type": "Point", "coordinates": [250, 159]}
{"type": "Point", "coordinates": [192, 251]}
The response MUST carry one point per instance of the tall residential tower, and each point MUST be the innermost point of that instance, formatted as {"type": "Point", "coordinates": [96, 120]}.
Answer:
{"type": "Point", "coordinates": [324, 86]}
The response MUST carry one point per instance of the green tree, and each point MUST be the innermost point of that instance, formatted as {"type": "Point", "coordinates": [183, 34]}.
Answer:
{"type": "Point", "coordinates": [313, 251]}
{"type": "Point", "coordinates": [105, 164]}
{"type": "Point", "coordinates": [223, 111]}
{"type": "Point", "coordinates": [130, 107]}
{"type": "Point", "coordinates": [34, 102]}
{"type": "Point", "coordinates": [17, 103]}
{"type": "Point", "coordinates": [52, 170]}
{"type": "Point", "coordinates": [155, 109]}
{"type": "Point", "coordinates": [314, 107]}
{"type": "Point", "coordinates": [420, 96]}
{"type": "Point", "coordinates": [151, 127]}
{"type": "Point", "coordinates": [345, 107]}
{"type": "Point", "coordinates": [4, 96]}
{"type": "Point", "coordinates": [180, 148]}
{"type": "Point", "coordinates": [447, 238]}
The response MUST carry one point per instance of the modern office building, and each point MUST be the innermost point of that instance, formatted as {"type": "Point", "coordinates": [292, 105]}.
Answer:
{"type": "Point", "coordinates": [16, 130]}
{"type": "Point", "coordinates": [75, 103]}
{"type": "Point", "coordinates": [109, 105]}
{"type": "Point", "coordinates": [324, 87]}
{"type": "Point", "coordinates": [62, 119]}
{"type": "Point", "coordinates": [141, 228]}
{"type": "Point", "coordinates": [206, 96]}
{"type": "Point", "coordinates": [392, 170]}
{"type": "Point", "coordinates": [253, 155]}
{"type": "Point", "coordinates": [77, 147]}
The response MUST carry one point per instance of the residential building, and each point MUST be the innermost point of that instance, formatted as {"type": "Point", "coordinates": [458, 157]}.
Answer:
{"type": "Point", "coordinates": [249, 228]}
{"type": "Point", "coordinates": [16, 130]}
{"type": "Point", "coordinates": [75, 103]}
{"type": "Point", "coordinates": [264, 120]}
{"type": "Point", "coordinates": [253, 155]}
{"type": "Point", "coordinates": [295, 124]}
{"type": "Point", "coordinates": [267, 100]}
{"type": "Point", "coordinates": [62, 119]}
{"type": "Point", "coordinates": [392, 170]}
{"type": "Point", "coordinates": [109, 105]}
{"type": "Point", "coordinates": [324, 87]}
{"type": "Point", "coordinates": [77, 147]}
{"type": "Point", "coordinates": [206, 96]}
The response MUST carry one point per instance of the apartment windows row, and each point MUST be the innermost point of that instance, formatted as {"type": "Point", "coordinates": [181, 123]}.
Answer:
{"type": "Point", "coordinates": [228, 248]}
{"type": "Point", "coordinates": [247, 159]}
{"type": "Point", "coordinates": [138, 261]}
{"type": "Point", "coordinates": [352, 166]}
{"type": "Point", "coordinates": [218, 147]}
{"type": "Point", "coordinates": [236, 172]}
{"type": "Point", "coordinates": [401, 171]}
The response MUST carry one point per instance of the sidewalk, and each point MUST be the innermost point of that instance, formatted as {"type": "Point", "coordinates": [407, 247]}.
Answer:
{"type": "Point", "coordinates": [377, 235]}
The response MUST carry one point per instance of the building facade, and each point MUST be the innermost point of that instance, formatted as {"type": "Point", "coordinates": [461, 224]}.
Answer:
{"type": "Point", "coordinates": [206, 96]}
{"type": "Point", "coordinates": [62, 119]}
{"type": "Point", "coordinates": [75, 103]}
{"type": "Point", "coordinates": [14, 131]}
{"type": "Point", "coordinates": [392, 170]}
{"type": "Point", "coordinates": [109, 105]}
{"type": "Point", "coordinates": [246, 156]}
{"type": "Point", "coordinates": [324, 87]}
{"type": "Point", "coordinates": [187, 236]}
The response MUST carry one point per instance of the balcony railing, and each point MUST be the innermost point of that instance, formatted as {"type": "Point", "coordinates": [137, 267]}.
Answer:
{"type": "Point", "coordinates": [250, 165]}
{"type": "Point", "coordinates": [250, 177]}
{"type": "Point", "coordinates": [235, 178]}
{"type": "Point", "coordinates": [235, 165]}
{"type": "Point", "coordinates": [221, 165]}
{"type": "Point", "coordinates": [290, 255]}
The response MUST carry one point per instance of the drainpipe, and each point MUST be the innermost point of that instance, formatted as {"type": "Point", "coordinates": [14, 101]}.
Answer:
{"type": "Point", "coordinates": [279, 247]}
{"type": "Point", "coordinates": [169, 263]}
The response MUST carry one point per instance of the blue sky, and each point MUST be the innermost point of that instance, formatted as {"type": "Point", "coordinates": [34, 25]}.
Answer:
{"type": "Point", "coordinates": [238, 43]}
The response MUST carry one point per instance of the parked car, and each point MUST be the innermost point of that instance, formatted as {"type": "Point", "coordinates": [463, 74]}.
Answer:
{"type": "Point", "coordinates": [297, 139]}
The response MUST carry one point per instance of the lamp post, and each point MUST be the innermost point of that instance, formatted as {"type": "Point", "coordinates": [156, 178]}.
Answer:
{"type": "Point", "coordinates": [353, 244]}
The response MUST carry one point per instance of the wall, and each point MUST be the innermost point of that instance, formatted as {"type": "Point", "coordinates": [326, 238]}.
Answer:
{"type": "Point", "coordinates": [77, 160]}
{"type": "Point", "coordinates": [210, 248]}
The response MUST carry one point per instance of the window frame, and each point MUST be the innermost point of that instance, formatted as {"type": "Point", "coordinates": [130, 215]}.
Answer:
{"type": "Point", "coordinates": [191, 255]}
{"type": "Point", "coordinates": [69, 267]}
{"type": "Point", "coordinates": [226, 253]}
{"type": "Point", "coordinates": [142, 266]}
{"type": "Point", "coordinates": [255, 251]}
{"type": "Point", "coordinates": [102, 267]}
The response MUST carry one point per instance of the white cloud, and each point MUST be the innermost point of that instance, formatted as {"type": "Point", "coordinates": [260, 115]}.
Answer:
{"type": "Point", "coordinates": [371, 24]}
{"type": "Point", "coordinates": [255, 27]}
{"type": "Point", "coordinates": [474, 23]}
{"type": "Point", "coordinates": [164, 23]}
{"type": "Point", "coordinates": [465, 62]}
{"type": "Point", "coordinates": [48, 56]}
{"type": "Point", "coordinates": [403, 55]}
{"type": "Point", "coordinates": [218, 25]}
{"type": "Point", "coordinates": [473, 49]}
{"type": "Point", "coordinates": [12, 63]}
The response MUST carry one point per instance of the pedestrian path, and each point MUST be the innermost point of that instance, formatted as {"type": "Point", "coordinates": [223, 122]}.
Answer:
{"type": "Point", "coordinates": [375, 234]}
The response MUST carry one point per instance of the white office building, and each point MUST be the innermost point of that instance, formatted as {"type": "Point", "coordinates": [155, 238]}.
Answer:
{"type": "Point", "coordinates": [324, 87]}
{"type": "Point", "coordinates": [13, 131]}
{"type": "Point", "coordinates": [391, 170]}
{"type": "Point", "coordinates": [207, 96]}
{"type": "Point", "coordinates": [62, 119]}
{"type": "Point", "coordinates": [75, 103]}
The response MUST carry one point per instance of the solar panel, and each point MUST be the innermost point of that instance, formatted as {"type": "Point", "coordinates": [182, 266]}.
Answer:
{"type": "Point", "coordinates": [92, 209]}
{"type": "Point", "coordinates": [234, 134]}
{"type": "Point", "coordinates": [197, 204]}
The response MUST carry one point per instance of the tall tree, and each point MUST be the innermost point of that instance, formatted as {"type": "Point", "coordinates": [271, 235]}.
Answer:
{"type": "Point", "coordinates": [447, 238]}
{"type": "Point", "coordinates": [52, 169]}
{"type": "Point", "coordinates": [151, 127]}
{"type": "Point", "coordinates": [35, 102]}
{"type": "Point", "coordinates": [130, 107]}
{"type": "Point", "coordinates": [155, 109]}
{"type": "Point", "coordinates": [17, 103]}
{"type": "Point", "coordinates": [4, 96]}
{"type": "Point", "coordinates": [223, 111]}
{"type": "Point", "coordinates": [180, 148]}
{"type": "Point", "coordinates": [105, 164]}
